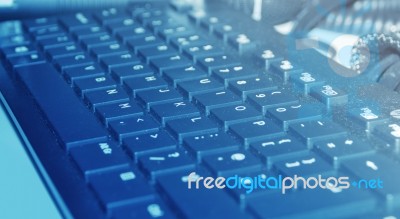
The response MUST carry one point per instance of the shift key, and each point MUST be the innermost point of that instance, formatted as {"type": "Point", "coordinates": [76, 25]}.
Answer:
{"type": "Point", "coordinates": [71, 121]}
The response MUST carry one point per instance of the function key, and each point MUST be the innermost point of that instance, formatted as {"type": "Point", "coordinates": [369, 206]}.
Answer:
{"type": "Point", "coordinates": [77, 20]}
{"type": "Point", "coordinates": [329, 95]}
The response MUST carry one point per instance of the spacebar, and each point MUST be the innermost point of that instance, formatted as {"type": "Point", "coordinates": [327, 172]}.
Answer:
{"type": "Point", "coordinates": [72, 122]}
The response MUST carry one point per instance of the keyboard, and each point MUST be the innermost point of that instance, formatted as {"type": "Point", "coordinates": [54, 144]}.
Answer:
{"type": "Point", "coordinates": [122, 104]}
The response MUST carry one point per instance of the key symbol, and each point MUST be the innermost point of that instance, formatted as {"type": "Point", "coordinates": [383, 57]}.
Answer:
{"type": "Point", "coordinates": [137, 67]}
{"type": "Point", "coordinates": [371, 165]}
{"type": "Point", "coordinates": [79, 57]}
{"type": "Point", "coordinates": [127, 176]}
{"type": "Point", "coordinates": [238, 157]}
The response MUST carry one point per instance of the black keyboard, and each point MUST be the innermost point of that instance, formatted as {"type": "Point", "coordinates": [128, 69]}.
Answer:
{"type": "Point", "coordinates": [122, 104]}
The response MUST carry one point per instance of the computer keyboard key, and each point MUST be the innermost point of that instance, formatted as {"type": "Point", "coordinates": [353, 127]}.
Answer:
{"type": "Point", "coordinates": [32, 24]}
{"type": "Point", "coordinates": [88, 32]}
{"type": "Point", "coordinates": [149, 143]}
{"type": "Point", "coordinates": [77, 20]}
{"type": "Point", "coordinates": [144, 83]}
{"type": "Point", "coordinates": [132, 126]}
{"type": "Point", "coordinates": [196, 52]}
{"type": "Point", "coordinates": [130, 69]}
{"type": "Point", "coordinates": [211, 62]}
{"type": "Point", "coordinates": [255, 130]}
{"type": "Point", "coordinates": [97, 40]}
{"type": "Point", "coordinates": [311, 131]}
{"type": "Point", "coordinates": [389, 133]}
{"type": "Point", "coordinates": [165, 162]}
{"type": "Point", "coordinates": [241, 42]}
{"type": "Point", "coordinates": [306, 80]}
{"type": "Point", "coordinates": [339, 149]}
{"type": "Point", "coordinates": [84, 85]}
{"type": "Point", "coordinates": [97, 157]}
{"type": "Point", "coordinates": [200, 86]}
{"type": "Point", "coordinates": [174, 110]}
{"type": "Point", "coordinates": [284, 69]}
{"type": "Point", "coordinates": [76, 125]}
{"type": "Point", "coordinates": [135, 31]}
{"type": "Point", "coordinates": [120, 23]}
{"type": "Point", "coordinates": [172, 30]}
{"type": "Point", "coordinates": [24, 60]}
{"type": "Point", "coordinates": [208, 101]}
{"type": "Point", "coordinates": [47, 31]}
{"type": "Point", "coordinates": [108, 15]}
{"type": "Point", "coordinates": [103, 96]}
{"type": "Point", "coordinates": [143, 41]}
{"type": "Point", "coordinates": [174, 61]}
{"type": "Point", "coordinates": [18, 50]}
{"type": "Point", "coordinates": [120, 187]}
{"type": "Point", "coordinates": [56, 41]}
{"type": "Point", "coordinates": [314, 203]}
{"type": "Point", "coordinates": [148, 209]}
{"type": "Point", "coordinates": [183, 41]}
{"type": "Point", "coordinates": [181, 128]}
{"type": "Point", "coordinates": [296, 113]}
{"type": "Point", "coordinates": [64, 51]}
{"type": "Point", "coordinates": [117, 110]}
{"type": "Point", "coordinates": [14, 40]}
{"type": "Point", "coordinates": [158, 51]}
{"type": "Point", "coordinates": [234, 162]}
{"type": "Point", "coordinates": [122, 59]}
{"type": "Point", "coordinates": [379, 169]}
{"type": "Point", "coordinates": [207, 144]}
{"type": "Point", "coordinates": [268, 99]}
{"type": "Point", "coordinates": [367, 117]}
{"type": "Point", "coordinates": [108, 50]}
{"type": "Point", "coordinates": [235, 114]}
{"type": "Point", "coordinates": [85, 71]}
{"type": "Point", "coordinates": [329, 95]}
{"type": "Point", "coordinates": [272, 150]}
{"type": "Point", "coordinates": [246, 86]}
{"type": "Point", "coordinates": [268, 56]}
{"type": "Point", "coordinates": [72, 61]}
{"type": "Point", "coordinates": [222, 31]}
{"type": "Point", "coordinates": [158, 96]}
{"type": "Point", "coordinates": [304, 165]}
{"type": "Point", "coordinates": [226, 74]}
{"type": "Point", "coordinates": [175, 187]}
{"type": "Point", "coordinates": [178, 74]}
